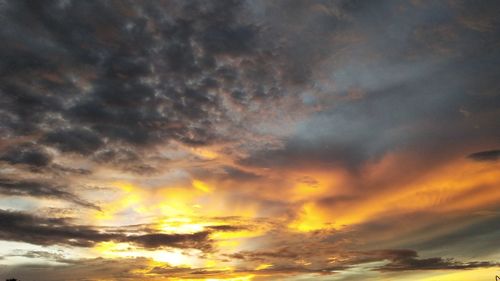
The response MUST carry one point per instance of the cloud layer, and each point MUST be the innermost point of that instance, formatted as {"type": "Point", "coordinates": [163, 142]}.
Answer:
{"type": "Point", "coordinates": [249, 140]}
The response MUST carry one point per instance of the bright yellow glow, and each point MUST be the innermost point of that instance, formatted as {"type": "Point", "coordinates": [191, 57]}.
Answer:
{"type": "Point", "coordinates": [111, 249]}
{"type": "Point", "coordinates": [174, 258]}
{"type": "Point", "coordinates": [183, 210]}
{"type": "Point", "coordinates": [181, 225]}
{"type": "Point", "coordinates": [131, 196]}
{"type": "Point", "coordinates": [240, 278]}
{"type": "Point", "coordinates": [179, 212]}
{"type": "Point", "coordinates": [210, 263]}
{"type": "Point", "coordinates": [205, 153]}
{"type": "Point", "coordinates": [202, 186]}
{"type": "Point", "coordinates": [314, 185]}
{"type": "Point", "coordinates": [176, 202]}
{"type": "Point", "coordinates": [310, 218]}
{"type": "Point", "coordinates": [237, 234]}
{"type": "Point", "coordinates": [229, 278]}
{"type": "Point", "coordinates": [228, 244]}
{"type": "Point", "coordinates": [263, 266]}
{"type": "Point", "coordinates": [458, 186]}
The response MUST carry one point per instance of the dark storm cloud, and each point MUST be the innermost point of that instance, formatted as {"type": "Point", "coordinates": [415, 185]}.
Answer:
{"type": "Point", "coordinates": [24, 227]}
{"type": "Point", "coordinates": [77, 140]}
{"type": "Point", "coordinates": [104, 75]}
{"type": "Point", "coordinates": [33, 188]}
{"type": "Point", "coordinates": [227, 228]}
{"type": "Point", "coordinates": [58, 169]}
{"type": "Point", "coordinates": [84, 76]}
{"type": "Point", "coordinates": [283, 253]}
{"type": "Point", "coordinates": [27, 153]}
{"type": "Point", "coordinates": [108, 80]}
{"type": "Point", "coordinates": [18, 226]}
{"type": "Point", "coordinates": [489, 155]}
{"type": "Point", "coordinates": [407, 260]}
{"type": "Point", "coordinates": [196, 240]}
{"type": "Point", "coordinates": [94, 70]}
{"type": "Point", "coordinates": [124, 159]}
{"type": "Point", "coordinates": [140, 74]}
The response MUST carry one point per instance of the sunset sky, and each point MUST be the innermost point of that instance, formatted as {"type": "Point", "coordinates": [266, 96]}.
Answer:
{"type": "Point", "coordinates": [249, 140]}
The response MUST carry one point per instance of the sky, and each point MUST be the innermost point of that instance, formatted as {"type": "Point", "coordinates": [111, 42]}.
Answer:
{"type": "Point", "coordinates": [249, 140]}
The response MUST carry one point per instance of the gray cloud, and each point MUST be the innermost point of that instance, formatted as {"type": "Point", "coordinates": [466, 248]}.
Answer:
{"type": "Point", "coordinates": [28, 154]}
{"type": "Point", "coordinates": [19, 226]}
{"type": "Point", "coordinates": [407, 260]}
{"type": "Point", "coordinates": [77, 140]}
{"type": "Point", "coordinates": [489, 155]}
{"type": "Point", "coordinates": [132, 97]}
{"type": "Point", "coordinates": [197, 240]}
{"type": "Point", "coordinates": [122, 94]}
{"type": "Point", "coordinates": [386, 92]}
{"type": "Point", "coordinates": [20, 187]}
{"type": "Point", "coordinates": [107, 74]}
{"type": "Point", "coordinates": [77, 269]}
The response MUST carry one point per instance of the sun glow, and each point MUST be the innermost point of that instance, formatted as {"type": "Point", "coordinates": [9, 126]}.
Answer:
{"type": "Point", "coordinates": [240, 278]}
{"type": "Point", "coordinates": [202, 186]}
{"type": "Point", "coordinates": [181, 225]}
{"type": "Point", "coordinates": [310, 218]}
{"type": "Point", "coordinates": [173, 257]}
{"type": "Point", "coordinates": [237, 278]}
{"type": "Point", "coordinates": [263, 266]}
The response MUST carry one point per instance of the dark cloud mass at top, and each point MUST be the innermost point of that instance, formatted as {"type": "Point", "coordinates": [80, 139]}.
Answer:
{"type": "Point", "coordinates": [86, 78]}
{"type": "Point", "coordinates": [83, 75]}
{"type": "Point", "coordinates": [80, 77]}
{"type": "Point", "coordinates": [107, 79]}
